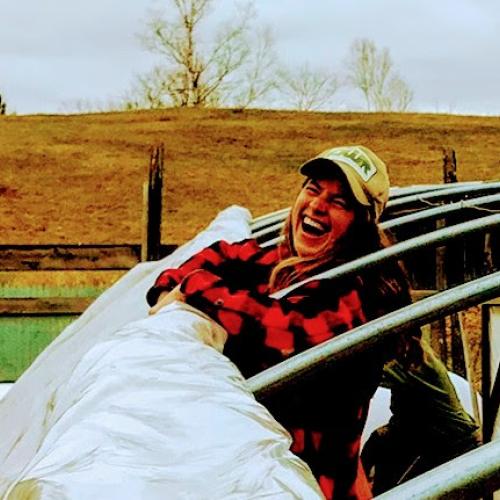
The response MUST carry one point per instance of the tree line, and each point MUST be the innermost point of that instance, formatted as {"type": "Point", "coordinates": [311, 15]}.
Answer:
{"type": "Point", "coordinates": [236, 66]}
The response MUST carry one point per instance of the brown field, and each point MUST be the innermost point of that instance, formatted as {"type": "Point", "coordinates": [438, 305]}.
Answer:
{"type": "Point", "coordinates": [78, 179]}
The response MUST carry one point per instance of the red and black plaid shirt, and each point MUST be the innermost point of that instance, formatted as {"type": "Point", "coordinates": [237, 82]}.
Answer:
{"type": "Point", "coordinates": [229, 282]}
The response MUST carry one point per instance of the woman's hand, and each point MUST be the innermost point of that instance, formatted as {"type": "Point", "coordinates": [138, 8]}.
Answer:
{"type": "Point", "coordinates": [166, 298]}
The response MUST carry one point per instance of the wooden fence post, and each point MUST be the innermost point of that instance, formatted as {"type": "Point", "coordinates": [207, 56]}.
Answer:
{"type": "Point", "coordinates": [152, 206]}
{"type": "Point", "coordinates": [449, 165]}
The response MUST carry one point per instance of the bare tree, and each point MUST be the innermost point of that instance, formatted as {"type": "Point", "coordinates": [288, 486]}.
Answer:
{"type": "Point", "coordinates": [400, 94]}
{"type": "Point", "coordinates": [148, 91]}
{"type": "Point", "coordinates": [79, 106]}
{"type": "Point", "coordinates": [258, 75]}
{"type": "Point", "coordinates": [372, 72]}
{"type": "Point", "coordinates": [361, 68]}
{"type": "Point", "coordinates": [307, 89]}
{"type": "Point", "coordinates": [194, 71]}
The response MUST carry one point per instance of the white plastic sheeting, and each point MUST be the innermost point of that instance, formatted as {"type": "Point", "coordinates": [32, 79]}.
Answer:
{"type": "Point", "coordinates": [4, 388]}
{"type": "Point", "coordinates": [122, 405]}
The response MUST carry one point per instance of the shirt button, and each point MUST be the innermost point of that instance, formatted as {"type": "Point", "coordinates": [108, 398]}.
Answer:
{"type": "Point", "coordinates": [219, 302]}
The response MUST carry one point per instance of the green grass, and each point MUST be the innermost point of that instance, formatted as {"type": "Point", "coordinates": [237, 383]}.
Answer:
{"type": "Point", "coordinates": [22, 339]}
{"type": "Point", "coordinates": [10, 292]}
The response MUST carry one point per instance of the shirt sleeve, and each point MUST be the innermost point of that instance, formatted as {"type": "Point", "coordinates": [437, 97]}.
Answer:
{"type": "Point", "coordinates": [209, 258]}
{"type": "Point", "coordinates": [288, 324]}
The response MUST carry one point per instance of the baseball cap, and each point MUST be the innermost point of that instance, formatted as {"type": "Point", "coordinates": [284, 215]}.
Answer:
{"type": "Point", "coordinates": [365, 172]}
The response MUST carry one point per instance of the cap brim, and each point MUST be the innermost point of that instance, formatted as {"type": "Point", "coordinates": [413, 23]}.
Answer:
{"type": "Point", "coordinates": [322, 168]}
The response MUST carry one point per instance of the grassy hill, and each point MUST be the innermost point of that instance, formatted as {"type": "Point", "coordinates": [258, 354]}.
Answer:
{"type": "Point", "coordinates": [70, 179]}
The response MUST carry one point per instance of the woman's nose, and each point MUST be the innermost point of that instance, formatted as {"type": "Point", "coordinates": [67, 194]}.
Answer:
{"type": "Point", "coordinates": [318, 204]}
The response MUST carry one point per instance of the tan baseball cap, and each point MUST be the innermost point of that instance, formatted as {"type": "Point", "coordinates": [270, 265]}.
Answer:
{"type": "Point", "coordinates": [365, 172]}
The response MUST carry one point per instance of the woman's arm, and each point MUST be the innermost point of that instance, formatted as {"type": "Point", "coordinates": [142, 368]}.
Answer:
{"type": "Point", "coordinates": [283, 323]}
{"type": "Point", "coordinates": [209, 258]}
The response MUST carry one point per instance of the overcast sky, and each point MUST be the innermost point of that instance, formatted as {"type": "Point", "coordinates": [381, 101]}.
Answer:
{"type": "Point", "coordinates": [56, 52]}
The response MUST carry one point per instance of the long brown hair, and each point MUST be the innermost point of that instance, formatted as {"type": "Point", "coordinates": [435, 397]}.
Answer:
{"type": "Point", "coordinates": [382, 289]}
{"type": "Point", "coordinates": [381, 284]}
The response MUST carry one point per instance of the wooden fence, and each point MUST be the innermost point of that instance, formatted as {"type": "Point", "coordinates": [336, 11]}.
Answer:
{"type": "Point", "coordinates": [89, 257]}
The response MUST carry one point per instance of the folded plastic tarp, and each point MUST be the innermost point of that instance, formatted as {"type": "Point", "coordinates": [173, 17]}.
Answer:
{"type": "Point", "coordinates": [122, 405]}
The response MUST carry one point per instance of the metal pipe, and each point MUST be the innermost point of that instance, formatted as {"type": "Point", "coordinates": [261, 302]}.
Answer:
{"type": "Point", "coordinates": [443, 193]}
{"type": "Point", "coordinates": [428, 214]}
{"type": "Point", "coordinates": [257, 222]}
{"type": "Point", "coordinates": [438, 212]}
{"type": "Point", "coordinates": [468, 476]}
{"type": "Point", "coordinates": [364, 337]}
{"type": "Point", "coordinates": [271, 218]}
{"type": "Point", "coordinates": [270, 229]}
{"type": "Point", "coordinates": [272, 242]}
{"type": "Point", "coordinates": [270, 214]}
{"type": "Point", "coordinates": [280, 215]}
{"type": "Point", "coordinates": [396, 196]}
{"type": "Point", "coordinates": [399, 249]}
{"type": "Point", "coordinates": [398, 192]}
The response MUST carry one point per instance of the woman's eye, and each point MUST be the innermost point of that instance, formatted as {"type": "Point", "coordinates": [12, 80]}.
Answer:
{"type": "Point", "coordinates": [339, 202]}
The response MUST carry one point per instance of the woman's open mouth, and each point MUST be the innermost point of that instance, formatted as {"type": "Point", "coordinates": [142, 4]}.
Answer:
{"type": "Point", "coordinates": [314, 227]}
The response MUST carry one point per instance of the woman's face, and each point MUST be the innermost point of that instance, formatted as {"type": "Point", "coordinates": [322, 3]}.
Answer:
{"type": "Point", "coordinates": [321, 215]}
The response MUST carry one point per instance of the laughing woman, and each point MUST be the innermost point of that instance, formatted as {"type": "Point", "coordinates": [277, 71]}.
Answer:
{"type": "Point", "coordinates": [334, 219]}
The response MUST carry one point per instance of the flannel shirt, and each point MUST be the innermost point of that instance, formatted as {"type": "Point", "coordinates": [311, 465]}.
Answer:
{"type": "Point", "coordinates": [229, 282]}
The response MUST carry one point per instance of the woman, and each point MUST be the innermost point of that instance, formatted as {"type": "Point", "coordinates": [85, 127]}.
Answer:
{"type": "Point", "coordinates": [333, 220]}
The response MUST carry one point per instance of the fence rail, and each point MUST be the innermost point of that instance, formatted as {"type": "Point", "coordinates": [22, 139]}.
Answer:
{"type": "Point", "coordinates": [364, 337]}
{"type": "Point", "coordinates": [73, 257]}
{"type": "Point", "coordinates": [46, 306]}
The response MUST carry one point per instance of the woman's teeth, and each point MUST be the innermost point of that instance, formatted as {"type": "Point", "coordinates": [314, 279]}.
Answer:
{"type": "Point", "coordinates": [313, 226]}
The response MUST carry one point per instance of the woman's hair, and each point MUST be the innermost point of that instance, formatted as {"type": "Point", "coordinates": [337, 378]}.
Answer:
{"type": "Point", "coordinates": [383, 288]}
{"type": "Point", "coordinates": [383, 283]}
